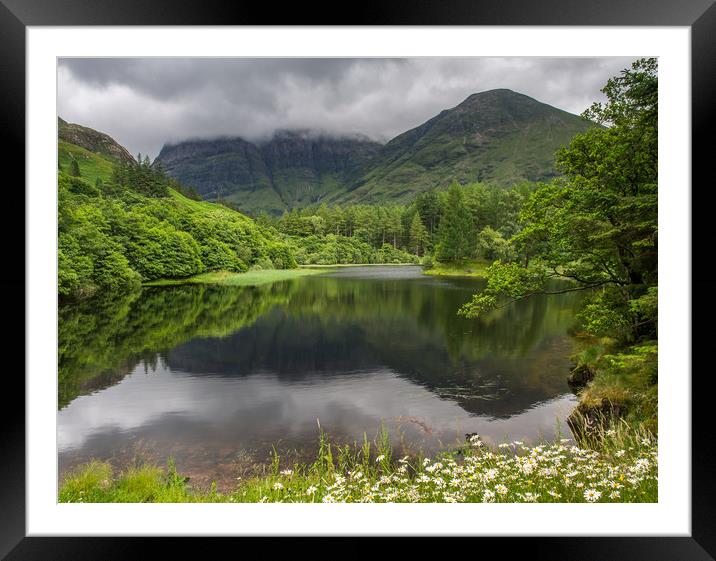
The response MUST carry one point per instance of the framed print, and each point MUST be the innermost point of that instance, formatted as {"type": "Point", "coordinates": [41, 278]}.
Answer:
{"type": "Point", "coordinates": [396, 276]}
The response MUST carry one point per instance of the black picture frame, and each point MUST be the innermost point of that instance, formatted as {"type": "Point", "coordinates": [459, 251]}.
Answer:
{"type": "Point", "coordinates": [699, 15]}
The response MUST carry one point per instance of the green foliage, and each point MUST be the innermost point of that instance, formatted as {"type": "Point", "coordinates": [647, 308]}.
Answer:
{"type": "Point", "coordinates": [142, 178]}
{"type": "Point", "coordinates": [218, 256]}
{"type": "Point", "coordinates": [332, 250]}
{"type": "Point", "coordinates": [506, 282]}
{"type": "Point", "coordinates": [389, 254]}
{"type": "Point", "coordinates": [598, 224]}
{"type": "Point", "coordinates": [455, 228]}
{"type": "Point", "coordinates": [74, 168]}
{"type": "Point", "coordinates": [281, 255]}
{"type": "Point", "coordinates": [419, 236]}
{"type": "Point", "coordinates": [415, 229]}
{"type": "Point", "coordinates": [132, 227]}
{"type": "Point", "coordinates": [492, 246]}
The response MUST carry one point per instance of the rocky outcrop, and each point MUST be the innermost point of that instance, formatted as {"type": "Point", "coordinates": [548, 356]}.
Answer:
{"type": "Point", "coordinates": [92, 140]}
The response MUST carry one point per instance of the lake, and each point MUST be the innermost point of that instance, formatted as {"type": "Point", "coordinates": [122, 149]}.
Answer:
{"type": "Point", "coordinates": [217, 376]}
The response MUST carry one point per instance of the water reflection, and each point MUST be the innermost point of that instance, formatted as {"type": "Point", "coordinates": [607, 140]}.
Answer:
{"type": "Point", "coordinates": [208, 374]}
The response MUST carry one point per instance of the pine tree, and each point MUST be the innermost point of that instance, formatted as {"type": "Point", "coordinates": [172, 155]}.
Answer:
{"type": "Point", "coordinates": [74, 168]}
{"type": "Point", "coordinates": [455, 232]}
{"type": "Point", "coordinates": [418, 235]}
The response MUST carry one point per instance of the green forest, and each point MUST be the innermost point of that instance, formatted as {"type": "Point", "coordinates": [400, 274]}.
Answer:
{"type": "Point", "coordinates": [123, 224]}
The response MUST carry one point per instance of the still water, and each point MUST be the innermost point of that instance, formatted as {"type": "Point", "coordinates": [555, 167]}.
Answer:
{"type": "Point", "coordinates": [216, 376]}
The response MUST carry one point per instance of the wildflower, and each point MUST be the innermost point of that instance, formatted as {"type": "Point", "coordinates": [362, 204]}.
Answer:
{"type": "Point", "coordinates": [490, 474]}
{"type": "Point", "coordinates": [311, 490]}
{"type": "Point", "coordinates": [614, 495]}
{"type": "Point", "coordinates": [620, 453]}
{"type": "Point", "coordinates": [501, 489]}
{"type": "Point", "coordinates": [592, 495]}
{"type": "Point", "coordinates": [488, 496]}
{"type": "Point", "coordinates": [611, 432]}
{"type": "Point", "coordinates": [642, 464]}
{"type": "Point", "coordinates": [278, 486]}
{"type": "Point", "coordinates": [380, 458]}
{"type": "Point", "coordinates": [530, 497]}
{"type": "Point", "coordinates": [287, 472]}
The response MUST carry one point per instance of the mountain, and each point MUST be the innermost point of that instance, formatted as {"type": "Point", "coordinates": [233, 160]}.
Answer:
{"type": "Point", "coordinates": [92, 141]}
{"type": "Point", "coordinates": [293, 168]}
{"type": "Point", "coordinates": [497, 136]}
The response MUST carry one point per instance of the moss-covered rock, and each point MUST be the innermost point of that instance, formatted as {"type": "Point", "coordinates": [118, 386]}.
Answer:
{"type": "Point", "coordinates": [580, 376]}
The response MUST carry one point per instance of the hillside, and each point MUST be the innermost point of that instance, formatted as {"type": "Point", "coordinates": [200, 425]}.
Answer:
{"type": "Point", "coordinates": [497, 136]}
{"type": "Point", "coordinates": [122, 223]}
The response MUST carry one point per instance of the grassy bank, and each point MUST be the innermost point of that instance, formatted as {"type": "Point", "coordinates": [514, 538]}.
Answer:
{"type": "Point", "coordinates": [266, 276]}
{"type": "Point", "coordinates": [622, 468]}
{"type": "Point", "coordinates": [462, 269]}
{"type": "Point", "coordinates": [249, 278]}
{"type": "Point", "coordinates": [621, 381]}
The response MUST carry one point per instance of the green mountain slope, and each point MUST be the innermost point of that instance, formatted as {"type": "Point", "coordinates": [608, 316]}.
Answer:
{"type": "Point", "coordinates": [293, 169]}
{"type": "Point", "coordinates": [92, 166]}
{"type": "Point", "coordinates": [497, 136]}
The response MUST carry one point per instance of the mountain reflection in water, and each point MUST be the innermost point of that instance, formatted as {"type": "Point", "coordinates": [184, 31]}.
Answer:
{"type": "Point", "coordinates": [214, 376]}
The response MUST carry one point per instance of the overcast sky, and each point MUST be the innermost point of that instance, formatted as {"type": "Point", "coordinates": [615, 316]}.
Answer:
{"type": "Point", "coordinates": [143, 103]}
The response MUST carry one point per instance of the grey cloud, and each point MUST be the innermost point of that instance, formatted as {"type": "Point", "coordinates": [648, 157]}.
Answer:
{"type": "Point", "coordinates": [146, 102]}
